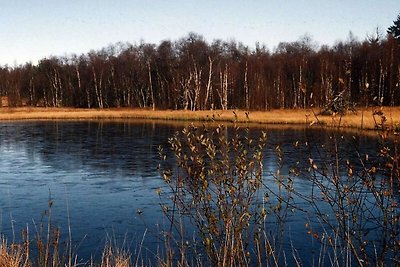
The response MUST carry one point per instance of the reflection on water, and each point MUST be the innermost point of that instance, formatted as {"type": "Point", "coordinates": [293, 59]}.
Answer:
{"type": "Point", "coordinates": [105, 172]}
{"type": "Point", "coordinates": [100, 173]}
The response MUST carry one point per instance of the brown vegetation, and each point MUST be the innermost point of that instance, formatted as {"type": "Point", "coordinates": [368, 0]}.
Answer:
{"type": "Point", "coordinates": [361, 119]}
{"type": "Point", "coordinates": [240, 217]}
{"type": "Point", "coordinates": [16, 255]}
{"type": "Point", "coordinates": [12, 255]}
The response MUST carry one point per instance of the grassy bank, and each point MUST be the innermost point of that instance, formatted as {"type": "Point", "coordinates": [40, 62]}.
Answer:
{"type": "Point", "coordinates": [361, 119]}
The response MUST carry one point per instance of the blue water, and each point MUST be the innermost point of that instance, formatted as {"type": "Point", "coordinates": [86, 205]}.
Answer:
{"type": "Point", "coordinates": [102, 178]}
{"type": "Point", "coordinates": [97, 174]}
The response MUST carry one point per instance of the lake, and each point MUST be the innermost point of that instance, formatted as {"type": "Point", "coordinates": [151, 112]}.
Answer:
{"type": "Point", "coordinates": [102, 178]}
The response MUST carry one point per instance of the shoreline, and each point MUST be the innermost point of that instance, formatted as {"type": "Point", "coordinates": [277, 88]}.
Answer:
{"type": "Point", "coordinates": [363, 119]}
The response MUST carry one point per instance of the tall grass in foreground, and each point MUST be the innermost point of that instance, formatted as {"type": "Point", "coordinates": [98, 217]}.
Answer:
{"type": "Point", "coordinates": [15, 255]}
{"type": "Point", "coordinates": [218, 188]}
{"type": "Point", "coordinates": [12, 255]}
{"type": "Point", "coordinates": [47, 250]}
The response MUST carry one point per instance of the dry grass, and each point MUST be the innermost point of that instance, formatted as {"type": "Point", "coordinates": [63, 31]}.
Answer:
{"type": "Point", "coordinates": [362, 119]}
{"type": "Point", "coordinates": [115, 257]}
{"type": "Point", "coordinates": [12, 255]}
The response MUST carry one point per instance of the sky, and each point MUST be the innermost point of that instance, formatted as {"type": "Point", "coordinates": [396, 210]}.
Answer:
{"type": "Point", "coordinates": [31, 30]}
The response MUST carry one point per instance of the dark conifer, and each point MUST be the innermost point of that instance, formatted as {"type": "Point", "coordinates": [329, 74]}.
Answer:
{"type": "Point", "coordinates": [395, 29]}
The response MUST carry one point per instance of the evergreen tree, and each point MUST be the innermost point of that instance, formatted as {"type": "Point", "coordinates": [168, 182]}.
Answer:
{"type": "Point", "coordinates": [395, 29]}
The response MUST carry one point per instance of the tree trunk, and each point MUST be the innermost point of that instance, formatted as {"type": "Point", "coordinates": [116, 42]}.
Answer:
{"type": "Point", "coordinates": [197, 87]}
{"type": "Point", "coordinates": [223, 92]}
{"type": "Point", "coordinates": [246, 88]}
{"type": "Point", "coordinates": [97, 88]}
{"type": "Point", "coordinates": [209, 84]}
{"type": "Point", "coordinates": [153, 102]}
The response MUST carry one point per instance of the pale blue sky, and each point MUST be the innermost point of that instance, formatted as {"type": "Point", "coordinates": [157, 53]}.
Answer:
{"type": "Point", "coordinates": [34, 29]}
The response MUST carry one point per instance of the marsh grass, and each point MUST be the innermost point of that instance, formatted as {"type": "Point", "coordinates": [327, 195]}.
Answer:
{"type": "Point", "coordinates": [19, 255]}
{"type": "Point", "coordinates": [13, 255]}
{"type": "Point", "coordinates": [218, 182]}
{"type": "Point", "coordinates": [362, 118]}
{"type": "Point", "coordinates": [364, 227]}
{"type": "Point", "coordinates": [218, 188]}
{"type": "Point", "coordinates": [115, 257]}
{"type": "Point", "coordinates": [361, 192]}
{"type": "Point", "coordinates": [46, 249]}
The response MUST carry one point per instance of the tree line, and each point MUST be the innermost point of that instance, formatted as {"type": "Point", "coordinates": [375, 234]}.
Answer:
{"type": "Point", "coordinates": [193, 74]}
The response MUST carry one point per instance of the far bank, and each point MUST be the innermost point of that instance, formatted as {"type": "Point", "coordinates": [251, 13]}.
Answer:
{"type": "Point", "coordinates": [368, 118]}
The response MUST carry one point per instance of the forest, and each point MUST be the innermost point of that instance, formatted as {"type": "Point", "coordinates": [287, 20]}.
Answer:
{"type": "Point", "coordinates": [193, 74]}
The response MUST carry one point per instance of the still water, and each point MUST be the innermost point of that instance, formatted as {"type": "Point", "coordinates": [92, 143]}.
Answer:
{"type": "Point", "coordinates": [102, 178]}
